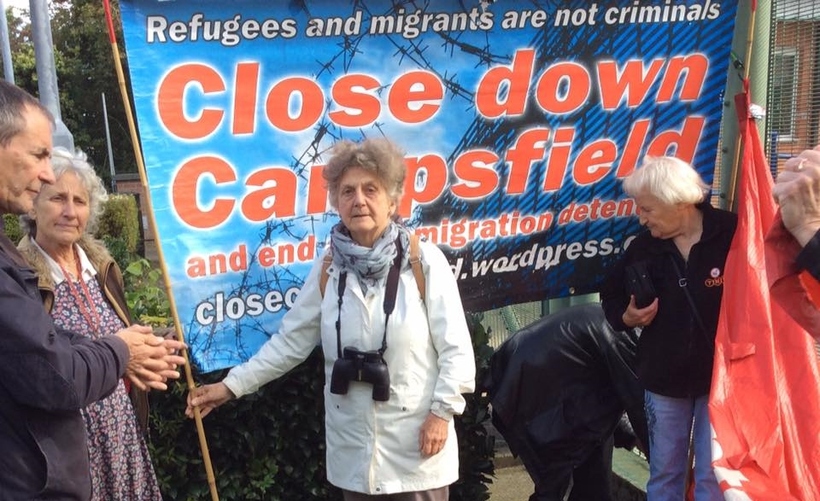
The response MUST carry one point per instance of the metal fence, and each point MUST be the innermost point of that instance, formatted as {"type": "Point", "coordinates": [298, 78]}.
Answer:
{"type": "Point", "coordinates": [793, 104]}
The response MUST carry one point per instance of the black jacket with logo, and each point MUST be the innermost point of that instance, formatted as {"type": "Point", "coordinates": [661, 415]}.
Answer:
{"type": "Point", "coordinates": [674, 354]}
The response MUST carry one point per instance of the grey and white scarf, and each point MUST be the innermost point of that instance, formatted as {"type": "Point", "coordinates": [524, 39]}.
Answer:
{"type": "Point", "coordinates": [370, 264]}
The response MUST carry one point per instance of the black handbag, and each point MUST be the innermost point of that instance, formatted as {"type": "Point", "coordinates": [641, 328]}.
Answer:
{"type": "Point", "coordinates": [639, 284]}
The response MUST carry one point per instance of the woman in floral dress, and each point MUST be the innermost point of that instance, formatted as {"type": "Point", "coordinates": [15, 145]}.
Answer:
{"type": "Point", "coordinates": [82, 288]}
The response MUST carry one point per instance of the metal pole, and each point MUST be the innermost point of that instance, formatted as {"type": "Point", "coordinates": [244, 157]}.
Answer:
{"type": "Point", "coordinates": [730, 145]}
{"type": "Point", "coordinates": [759, 63]}
{"type": "Point", "coordinates": [8, 69]}
{"type": "Point", "coordinates": [46, 70]}
{"type": "Point", "coordinates": [108, 143]}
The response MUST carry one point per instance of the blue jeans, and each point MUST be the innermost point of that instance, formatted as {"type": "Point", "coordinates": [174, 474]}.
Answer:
{"type": "Point", "coordinates": [671, 421]}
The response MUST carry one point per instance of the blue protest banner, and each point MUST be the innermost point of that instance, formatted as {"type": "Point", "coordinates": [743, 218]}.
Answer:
{"type": "Point", "coordinates": [518, 118]}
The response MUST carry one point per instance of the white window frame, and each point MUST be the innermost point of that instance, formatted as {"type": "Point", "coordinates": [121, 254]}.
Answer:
{"type": "Point", "coordinates": [792, 93]}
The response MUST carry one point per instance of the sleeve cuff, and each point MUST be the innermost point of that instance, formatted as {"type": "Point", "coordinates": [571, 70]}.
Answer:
{"type": "Point", "coordinates": [233, 384]}
{"type": "Point", "coordinates": [121, 351]}
{"type": "Point", "coordinates": [807, 259]}
{"type": "Point", "coordinates": [438, 409]}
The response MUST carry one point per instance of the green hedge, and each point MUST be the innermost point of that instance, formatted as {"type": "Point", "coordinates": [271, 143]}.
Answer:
{"type": "Point", "coordinates": [11, 227]}
{"type": "Point", "coordinates": [119, 227]}
{"type": "Point", "coordinates": [476, 445]}
{"type": "Point", "coordinates": [271, 445]}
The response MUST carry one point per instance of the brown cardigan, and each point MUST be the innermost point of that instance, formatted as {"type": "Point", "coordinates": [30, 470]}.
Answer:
{"type": "Point", "coordinates": [111, 283]}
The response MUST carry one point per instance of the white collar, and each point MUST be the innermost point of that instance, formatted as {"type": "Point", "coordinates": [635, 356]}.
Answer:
{"type": "Point", "coordinates": [54, 269]}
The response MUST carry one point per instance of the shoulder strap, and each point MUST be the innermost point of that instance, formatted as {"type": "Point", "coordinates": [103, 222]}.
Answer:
{"type": "Point", "coordinates": [682, 283]}
{"type": "Point", "coordinates": [323, 276]}
{"type": "Point", "coordinates": [415, 263]}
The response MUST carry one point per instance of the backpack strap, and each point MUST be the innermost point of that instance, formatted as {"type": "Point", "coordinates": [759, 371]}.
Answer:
{"type": "Point", "coordinates": [415, 264]}
{"type": "Point", "coordinates": [323, 276]}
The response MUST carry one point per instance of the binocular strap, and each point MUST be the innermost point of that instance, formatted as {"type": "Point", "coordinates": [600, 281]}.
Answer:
{"type": "Point", "coordinates": [389, 298]}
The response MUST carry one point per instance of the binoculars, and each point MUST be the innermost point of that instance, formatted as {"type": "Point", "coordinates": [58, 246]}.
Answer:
{"type": "Point", "coordinates": [365, 366]}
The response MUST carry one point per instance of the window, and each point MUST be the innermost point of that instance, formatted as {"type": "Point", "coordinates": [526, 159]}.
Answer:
{"type": "Point", "coordinates": [783, 91]}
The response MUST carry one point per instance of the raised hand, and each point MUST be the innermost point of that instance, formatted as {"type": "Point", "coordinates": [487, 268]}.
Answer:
{"type": "Point", "coordinates": [797, 191]}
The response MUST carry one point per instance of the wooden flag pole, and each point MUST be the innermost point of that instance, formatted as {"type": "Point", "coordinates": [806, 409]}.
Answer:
{"type": "Point", "coordinates": [747, 62]}
{"type": "Point", "coordinates": [189, 377]}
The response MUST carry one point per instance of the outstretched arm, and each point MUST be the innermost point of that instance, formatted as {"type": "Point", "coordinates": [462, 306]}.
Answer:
{"type": "Point", "coordinates": [208, 398]}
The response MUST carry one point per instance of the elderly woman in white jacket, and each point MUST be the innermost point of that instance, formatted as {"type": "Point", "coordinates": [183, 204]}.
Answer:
{"type": "Point", "coordinates": [394, 376]}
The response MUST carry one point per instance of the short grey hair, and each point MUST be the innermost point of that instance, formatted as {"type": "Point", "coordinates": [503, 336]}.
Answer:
{"type": "Point", "coordinates": [378, 156]}
{"type": "Point", "coordinates": [669, 179]}
{"type": "Point", "coordinates": [63, 161]}
{"type": "Point", "coordinates": [13, 104]}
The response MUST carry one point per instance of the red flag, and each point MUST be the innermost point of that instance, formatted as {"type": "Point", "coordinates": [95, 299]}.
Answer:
{"type": "Point", "coordinates": [764, 404]}
{"type": "Point", "coordinates": [795, 291]}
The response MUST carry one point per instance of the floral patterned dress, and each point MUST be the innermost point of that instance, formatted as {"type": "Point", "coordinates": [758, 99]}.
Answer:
{"type": "Point", "coordinates": [121, 468]}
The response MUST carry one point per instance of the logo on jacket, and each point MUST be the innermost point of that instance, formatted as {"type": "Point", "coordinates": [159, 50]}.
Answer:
{"type": "Point", "coordinates": [716, 280]}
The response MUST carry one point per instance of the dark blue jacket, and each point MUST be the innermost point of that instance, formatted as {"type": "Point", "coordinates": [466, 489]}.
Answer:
{"type": "Point", "coordinates": [46, 377]}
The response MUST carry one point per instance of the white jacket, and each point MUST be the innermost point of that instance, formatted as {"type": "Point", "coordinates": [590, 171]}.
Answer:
{"type": "Point", "coordinates": [373, 447]}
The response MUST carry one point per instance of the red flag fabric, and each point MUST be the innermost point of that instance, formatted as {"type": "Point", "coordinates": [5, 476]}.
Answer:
{"type": "Point", "coordinates": [764, 404]}
{"type": "Point", "coordinates": [812, 287]}
{"type": "Point", "coordinates": [795, 291]}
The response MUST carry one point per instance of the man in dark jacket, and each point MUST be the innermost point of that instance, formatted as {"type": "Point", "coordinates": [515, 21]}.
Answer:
{"type": "Point", "coordinates": [48, 375]}
{"type": "Point", "coordinates": [559, 388]}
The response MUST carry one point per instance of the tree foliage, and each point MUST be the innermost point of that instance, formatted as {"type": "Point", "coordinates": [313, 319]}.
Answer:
{"type": "Point", "coordinates": [85, 69]}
